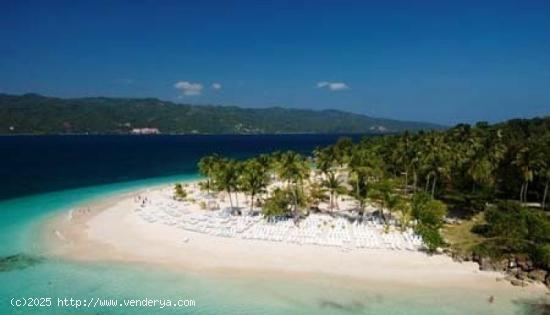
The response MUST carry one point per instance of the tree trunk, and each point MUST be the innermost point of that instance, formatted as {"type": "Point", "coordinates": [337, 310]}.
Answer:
{"type": "Point", "coordinates": [406, 181]}
{"type": "Point", "coordinates": [544, 196]}
{"type": "Point", "coordinates": [427, 183]}
{"type": "Point", "coordinates": [521, 193]}
{"type": "Point", "coordinates": [433, 186]}
{"type": "Point", "coordinates": [415, 180]}
{"type": "Point", "coordinates": [384, 216]}
{"type": "Point", "coordinates": [357, 190]}
{"type": "Point", "coordinates": [525, 191]}
{"type": "Point", "coordinates": [252, 203]}
{"type": "Point", "coordinates": [361, 211]}
{"type": "Point", "coordinates": [230, 199]}
{"type": "Point", "coordinates": [295, 203]}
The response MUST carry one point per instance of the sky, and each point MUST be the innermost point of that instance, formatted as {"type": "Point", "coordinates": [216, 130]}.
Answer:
{"type": "Point", "coordinates": [438, 61]}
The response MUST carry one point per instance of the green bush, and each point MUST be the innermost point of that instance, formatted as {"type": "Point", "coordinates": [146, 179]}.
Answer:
{"type": "Point", "coordinates": [431, 236]}
{"type": "Point", "coordinates": [488, 249]}
{"type": "Point", "coordinates": [179, 192]}
{"type": "Point", "coordinates": [541, 255]}
{"type": "Point", "coordinates": [538, 226]}
{"type": "Point", "coordinates": [429, 213]}
{"type": "Point", "coordinates": [477, 202]}
{"type": "Point", "coordinates": [514, 229]}
{"type": "Point", "coordinates": [279, 204]}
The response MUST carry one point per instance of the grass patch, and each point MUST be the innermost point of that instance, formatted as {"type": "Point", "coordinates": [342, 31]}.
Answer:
{"type": "Point", "coordinates": [460, 236]}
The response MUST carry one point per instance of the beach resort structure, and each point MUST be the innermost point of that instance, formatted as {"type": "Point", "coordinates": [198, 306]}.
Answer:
{"type": "Point", "coordinates": [145, 131]}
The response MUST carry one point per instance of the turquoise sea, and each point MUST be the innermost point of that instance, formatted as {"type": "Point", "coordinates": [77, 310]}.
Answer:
{"type": "Point", "coordinates": [28, 275]}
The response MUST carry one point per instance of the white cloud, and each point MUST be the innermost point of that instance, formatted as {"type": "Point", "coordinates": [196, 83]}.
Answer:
{"type": "Point", "coordinates": [338, 86]}
{"type": "Point", "coordinates": [189, 88]}
{"type": "Point", "coordinates": [322, 84]}
{"type": "Point", "coordinates": [333, 86]}
{"type": "Point", "coordinates": [216, 86]}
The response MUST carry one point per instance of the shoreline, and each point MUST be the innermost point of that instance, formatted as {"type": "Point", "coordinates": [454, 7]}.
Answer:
{"type": "Point", "coordinates": [106, 230]}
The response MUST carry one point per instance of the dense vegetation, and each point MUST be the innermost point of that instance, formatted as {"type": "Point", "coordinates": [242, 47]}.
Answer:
{"type": "Point", "coordinates": [500, 171]}
{"type": "Point", "coordinates": [513, 229]}
{"type": "Point", "coordinates": [35, 114]}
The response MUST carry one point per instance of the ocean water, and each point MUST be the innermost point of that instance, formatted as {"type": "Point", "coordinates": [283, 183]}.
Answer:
{"type": "Point", "coordinates": [30, 164]}
{"type": "Point", "coordinates": [21, 214]}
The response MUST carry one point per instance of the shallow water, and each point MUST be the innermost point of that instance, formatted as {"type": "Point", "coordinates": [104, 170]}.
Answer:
{"type": "Point", "coordinates": [219, 295]}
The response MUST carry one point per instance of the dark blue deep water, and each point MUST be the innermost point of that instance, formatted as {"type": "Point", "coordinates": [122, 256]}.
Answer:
{"type": "Point", "coordinates": [36, 164]}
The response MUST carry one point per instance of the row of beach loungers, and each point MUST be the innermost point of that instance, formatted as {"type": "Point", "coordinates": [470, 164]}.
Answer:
{"type": "Point", "coordinates": [316, 229]}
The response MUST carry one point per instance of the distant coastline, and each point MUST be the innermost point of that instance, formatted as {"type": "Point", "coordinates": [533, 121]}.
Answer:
{"type": "Point", "coordinates": [103, 115]}
{"type": "Point", "coordinates": [345, 134]}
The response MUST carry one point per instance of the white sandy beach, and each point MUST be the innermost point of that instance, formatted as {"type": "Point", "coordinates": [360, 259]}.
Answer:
{"type": "Point", "coordinates": [112, 230]}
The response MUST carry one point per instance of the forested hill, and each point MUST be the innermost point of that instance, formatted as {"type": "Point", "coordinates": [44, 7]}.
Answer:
{"type": "Point", "coordinates": [37, 114]}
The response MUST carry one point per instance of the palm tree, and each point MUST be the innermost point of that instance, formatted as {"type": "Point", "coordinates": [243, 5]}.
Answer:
{"type": "Point", "coordinates": [265, 161]}
{"type": "Point", "coordinates": [528, 160]}
{"type": "Point", "coordinates": [227, 177]}
{"type": "Point", "coordinates": [239, 169]}
{"type": "Point", "coordinates": [293, 169]}
{"type": "Point", "coordinates": [325, 159]}
{"type": "Point", "coordinates": [207, 166]}
{"type": "Point", "coordinates": [334, 186]}
{"type": "Point", "coordinates": [342, 150]}
{"type": "Point", "coordinates": [385, 193]}
{"type": "Point", "coordinates": [415, 156]}
{"type": "Point", "coordinates": [359, 192]}
{"type": "Point", "coordinates": [403, 156]}
{"type": "Point", "coordinates": [546, 176]}
{"type": "Point", "coordinates": [406, 214]}
{"type": "Point", "coordinates": [434, 159]}
{"type": "Point", "coordinates": [316, 194]}
{"type": "Point", "coordinates": [363, 164]}
{"type": "Point", "coordinates": [484, 152]}
{"type": "Point", "coordinates": [254, 179]}
{"type": "Point", "coordinates": [543, 171]}
{"type": "Point", "coordinates": [392, 202]}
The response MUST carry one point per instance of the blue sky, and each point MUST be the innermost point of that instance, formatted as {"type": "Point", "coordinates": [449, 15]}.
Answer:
{"type": "Point", "coordinates": [438, 61]}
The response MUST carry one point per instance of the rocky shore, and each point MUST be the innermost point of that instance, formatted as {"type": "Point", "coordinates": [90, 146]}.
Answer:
{"type": "Point", "coordinates": [519, 271]}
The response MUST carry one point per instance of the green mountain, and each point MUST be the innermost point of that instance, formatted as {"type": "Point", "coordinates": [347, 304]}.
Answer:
{"type": "Point", "coordinates": [37, 114]}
